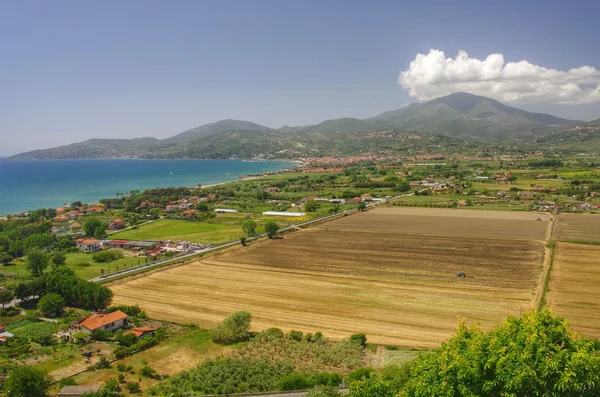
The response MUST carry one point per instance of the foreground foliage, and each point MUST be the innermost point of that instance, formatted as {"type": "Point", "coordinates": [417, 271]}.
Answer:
{"type": "Point", "coordinates": [27, 381]}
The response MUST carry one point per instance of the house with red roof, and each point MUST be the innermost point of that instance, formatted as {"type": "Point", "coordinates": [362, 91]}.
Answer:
{"type": "Point", "coordinates": [140, 332]}
{"type": "Point", "coordinates": [88, 245]}
{"type": "Point", "coordinates": [116, 224]}
{"type": "Point", "coordinates": [103, 322]}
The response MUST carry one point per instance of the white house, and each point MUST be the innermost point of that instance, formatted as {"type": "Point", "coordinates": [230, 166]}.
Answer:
{"type": "Point", "coordinates": [89, 245]}
{"type": "Point", "coordinates": [103, 321]}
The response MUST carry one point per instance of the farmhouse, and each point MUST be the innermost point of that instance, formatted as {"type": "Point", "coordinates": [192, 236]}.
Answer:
{"type": "Point", "coordinates": [116, 244]}
{"type": "Point", "coordinates": [226, 211]}
{"type": "Point", "coordinates": [116, 224]}
{"type": "Point", "coordinates": [286, 213]}
{"type": "Point", "coordinates": [88, 245]}
{"type": "Point", "coordinates": [77, 391]}
{"type": "Point", "coordinates": [103, 321]}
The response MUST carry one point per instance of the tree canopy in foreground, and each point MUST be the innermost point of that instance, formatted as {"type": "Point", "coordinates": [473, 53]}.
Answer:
{"type": "Point", "coordinates": [535, 355]}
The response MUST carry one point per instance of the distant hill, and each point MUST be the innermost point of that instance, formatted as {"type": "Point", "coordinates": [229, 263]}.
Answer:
{"type": "Point", "coordinates": [346, 125]}
{"type": "Point", "coordinates": [467, 116]}
{"type": "Point", "coordinates": [215, 128]}
{"type": "Point", "coordinates": [582, 137]}
{"type": "Point", "coordinates": [475, 120]}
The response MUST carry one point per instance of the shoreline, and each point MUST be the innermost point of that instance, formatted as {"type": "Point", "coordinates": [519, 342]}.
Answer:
{"type": "Point", "coordinates": [296, 163]}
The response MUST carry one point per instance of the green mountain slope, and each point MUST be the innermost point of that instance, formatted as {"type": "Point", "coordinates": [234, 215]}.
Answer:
{"type": "Point", "coordinates": [467, 116]}
{"type": "Point", "coordinates": [583, 137]}
{"type": "Point", "coordinates": [98, 148]}
{"type": "Point", "coordinates": [346, 124]}
{"type": "Point", "coordinates": [215, 128]}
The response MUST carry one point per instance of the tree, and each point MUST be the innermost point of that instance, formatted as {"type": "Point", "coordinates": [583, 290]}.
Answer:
{"type": "Point", "coordinates": [362, 207]}
{"type": "Point", "coordinates": [403, 186]}
{"type": "Point", "coordinates": [371, 386]}
{"type": "Point", "coordinates": [94, 227]}
{"type": "Point", "coordinates": [202, 207]}
{"type": "Point", "coordinates": [37, 260]}
{"type": "Point", "coordinates": [6, 258]}
{"type": "Point", "coordinates": [271, 229]}
{"type": "Point", "coordinates": [535, 355]}
{"type": "Point", "coordinates": [249, 227]}
{"type": "Point", "coordinates": [51, 305]}
{"type": "Point", "coordinates": [235, 328]}
{"type": "Point", "coordinates": [361, 339]}
{"type": "Point", "coordinates": [26, 381]}
{"type": "Point", "coordinates": [6, 296]}
{"type": "Point", "coordinates": [58, 258]}
{"type": "Point", "coordinates": [311, 206]}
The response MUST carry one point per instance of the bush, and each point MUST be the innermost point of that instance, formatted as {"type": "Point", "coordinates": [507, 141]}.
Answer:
{"type": "Point", "coordinates": [295, 381]}
{"type": "Point", "coordinates": [133, 387]}
{"type": "Point", "coordinates": [323, 391]}
{"type": "Point", "coordinates": [359, 374]}
{"type": "Point", "coordinates": [361, 339]}
{"type": "Point", "coordinates": [271, 229]}
{"type": "Point", "coordinates": [103, 363]}
{"type": "Point", "coordinates": [107, 256]}
{"type": "Point", "coordinates": [122, 367]}
{"type": "Point", "coordinates": [102, 335]}
{"type": "Point", "coordinates": [67, 382]}
{"type": "Point", "coordinates": [273, 333]}
{"type": "Point", "coordinates": [149, 372]}
{"type": "Point", "coordinates": [129, 310]}
{"type": "Point", "coordinates": [295, 335]}
{"type": "Point", "coordinates": [125, 340]}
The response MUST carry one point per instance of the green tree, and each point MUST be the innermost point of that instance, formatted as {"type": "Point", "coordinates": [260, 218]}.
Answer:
{"type": "Point", "coordinates": [271, 229]}
{"type": "Point", "coordinates": [249, 227]}
{"type": "Point", "coordinates": [403, 186]}
{"type": "Point", "coordinates": [94, 227]}
{"type": "Point", "coordinates": [202, 207]}
{"type": "Point", "coordinates": [362, 207]}
{"type": "Point", "coordinates": [26, 381]}
{"type": "Point", "coordinates": [535, 355]}
{"type": "Point", "coordinates": [6, 258]}
{"type": "Point", "coordinates": [371, 386]}
{"type": "Point", "coordinates": [51, 305]}
{"type": "Point", "coordinates": [235, 328]}
{"type": "Point", "coordinates": [311, 206]}
{"type": "Point", "coordinates": [6, 296]}
{"type": "Point", "coordinates": [58, 258]}
{"type": "Point", "coordinates": [37, 260]}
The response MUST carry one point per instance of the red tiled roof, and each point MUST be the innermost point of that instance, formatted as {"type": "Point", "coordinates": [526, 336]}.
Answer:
{"type": "Point", "coordinates": [90, 241]}
{"type": "Point", "coordinates": [141, 331]}
{"type": "Point", "coordinates": [97, 320]}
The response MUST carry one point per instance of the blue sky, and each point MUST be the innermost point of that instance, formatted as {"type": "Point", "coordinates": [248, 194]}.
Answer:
{"type": "Point", "coordinates": [72, 70]}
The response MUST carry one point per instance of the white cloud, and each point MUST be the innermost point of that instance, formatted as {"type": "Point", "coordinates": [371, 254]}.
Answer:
{"type": "Point", "coordinates": [432, 75]}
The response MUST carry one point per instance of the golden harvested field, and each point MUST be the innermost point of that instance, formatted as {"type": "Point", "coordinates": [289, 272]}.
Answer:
{"type": "Point", "coordinates": [447, 222]}
{"type": "Point", "coordinates": [577, 227]}
{"type": "Point", "coordinates": [574, 292]}
{"type": "Point", "coordinates": [397, 288]}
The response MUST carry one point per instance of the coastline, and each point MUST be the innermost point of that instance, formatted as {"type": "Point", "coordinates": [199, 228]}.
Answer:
{"type": "Point", "coordinates": [78, 193]}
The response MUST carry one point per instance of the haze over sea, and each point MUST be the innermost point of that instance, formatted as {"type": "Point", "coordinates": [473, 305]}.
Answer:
{"type": "Point", "coordinates": [32, 184]}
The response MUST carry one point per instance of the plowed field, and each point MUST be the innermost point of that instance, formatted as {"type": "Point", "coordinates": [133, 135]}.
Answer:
{"type": "Point", "coordinates": [578, 227]}
{"type": "Point", "coordinates": [574, 286]}
{"type": "Point", "coordinates": [355, 275]}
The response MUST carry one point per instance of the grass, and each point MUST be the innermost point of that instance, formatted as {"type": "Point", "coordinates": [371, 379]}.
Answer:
{"type": "Point", "coordinates": [197, 232]}
{"type": "Point", "coordinates": [19, 324]}
{"type": "Point", "coordinates": [82, 264]}
{"type": "Point", "coordinates": [171, 356]}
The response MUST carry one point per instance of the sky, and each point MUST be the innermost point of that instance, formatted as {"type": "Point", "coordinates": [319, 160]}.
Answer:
{"type": "Point", "coordinates": [74, 70]}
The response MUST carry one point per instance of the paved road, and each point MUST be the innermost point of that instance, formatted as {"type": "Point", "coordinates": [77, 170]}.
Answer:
{"type": "Point", "coordinates": [231, 243]}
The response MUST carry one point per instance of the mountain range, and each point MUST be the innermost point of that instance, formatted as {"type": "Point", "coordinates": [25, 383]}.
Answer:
{"type": "Point", "coordinates": [456, 121]}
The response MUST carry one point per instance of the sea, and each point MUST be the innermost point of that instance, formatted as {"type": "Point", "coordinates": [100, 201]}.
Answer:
{"type": "Point", "coordinates": [32, 184]}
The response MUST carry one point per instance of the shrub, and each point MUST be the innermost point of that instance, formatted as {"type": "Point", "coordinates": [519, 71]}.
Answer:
{"type": "Point", "coordinates": [273, 333]}
{"type": "Point", "coordinates": [102, 335]}
{"type": "Point", "coordinates": [133, 387]}
{"type": "Point", "coordinates": [358, 374]}
{"type": "Point", "coordinates": [122, 367]}
{"type": "Point", "coordinates": [103, 363]}
{"type": "Point", "coordinates": [361, 339]}
{"type": "Point", "coordinates": [295, 335]}
{"type": "Point", "coordinates": [67, 382]}
{"type": "Point", "coordinates": [107, 256]}
{"type": "Point", "coordinates": [323, 391]}
{"type": "Point", "coordinates": [129, 310]}
{"type": "Point", "coordinates": [295, 381]}
{"type": "Point", "coordinates": [271, 228]}
{"type": "Point", "coordinates": [149, 372]}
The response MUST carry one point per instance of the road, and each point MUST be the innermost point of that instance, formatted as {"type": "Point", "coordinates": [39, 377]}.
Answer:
{"type": "Point", "coordinates": [232, 243]}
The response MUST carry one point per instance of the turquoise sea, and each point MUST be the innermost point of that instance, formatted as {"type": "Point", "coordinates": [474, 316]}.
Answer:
{"type": "Point", "coordinates": [32, 184]}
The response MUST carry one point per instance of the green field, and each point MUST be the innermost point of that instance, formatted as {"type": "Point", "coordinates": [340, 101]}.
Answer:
{"type": "Point", "coordinates": [197, 232]}
{"type": "Point", "coordinates": [81, 263]}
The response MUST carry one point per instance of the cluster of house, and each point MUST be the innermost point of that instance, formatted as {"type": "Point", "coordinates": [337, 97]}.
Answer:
{"type": "Point", "coordinates": [4, 335]}
{"type": "Point", "coordinates": [150, 247]}
{"type": "Point", "coordinates": [432, 184]}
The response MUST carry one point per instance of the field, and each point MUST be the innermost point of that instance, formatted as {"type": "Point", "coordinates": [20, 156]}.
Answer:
{"type": "Point", "coordinates": [196, 232]}
{"type": "Point", "coordinates": [362, 273]}
{"type": "Point", "coordinates": [578, 228]}
{"type": "Point", "coordinates": [574, 292]}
